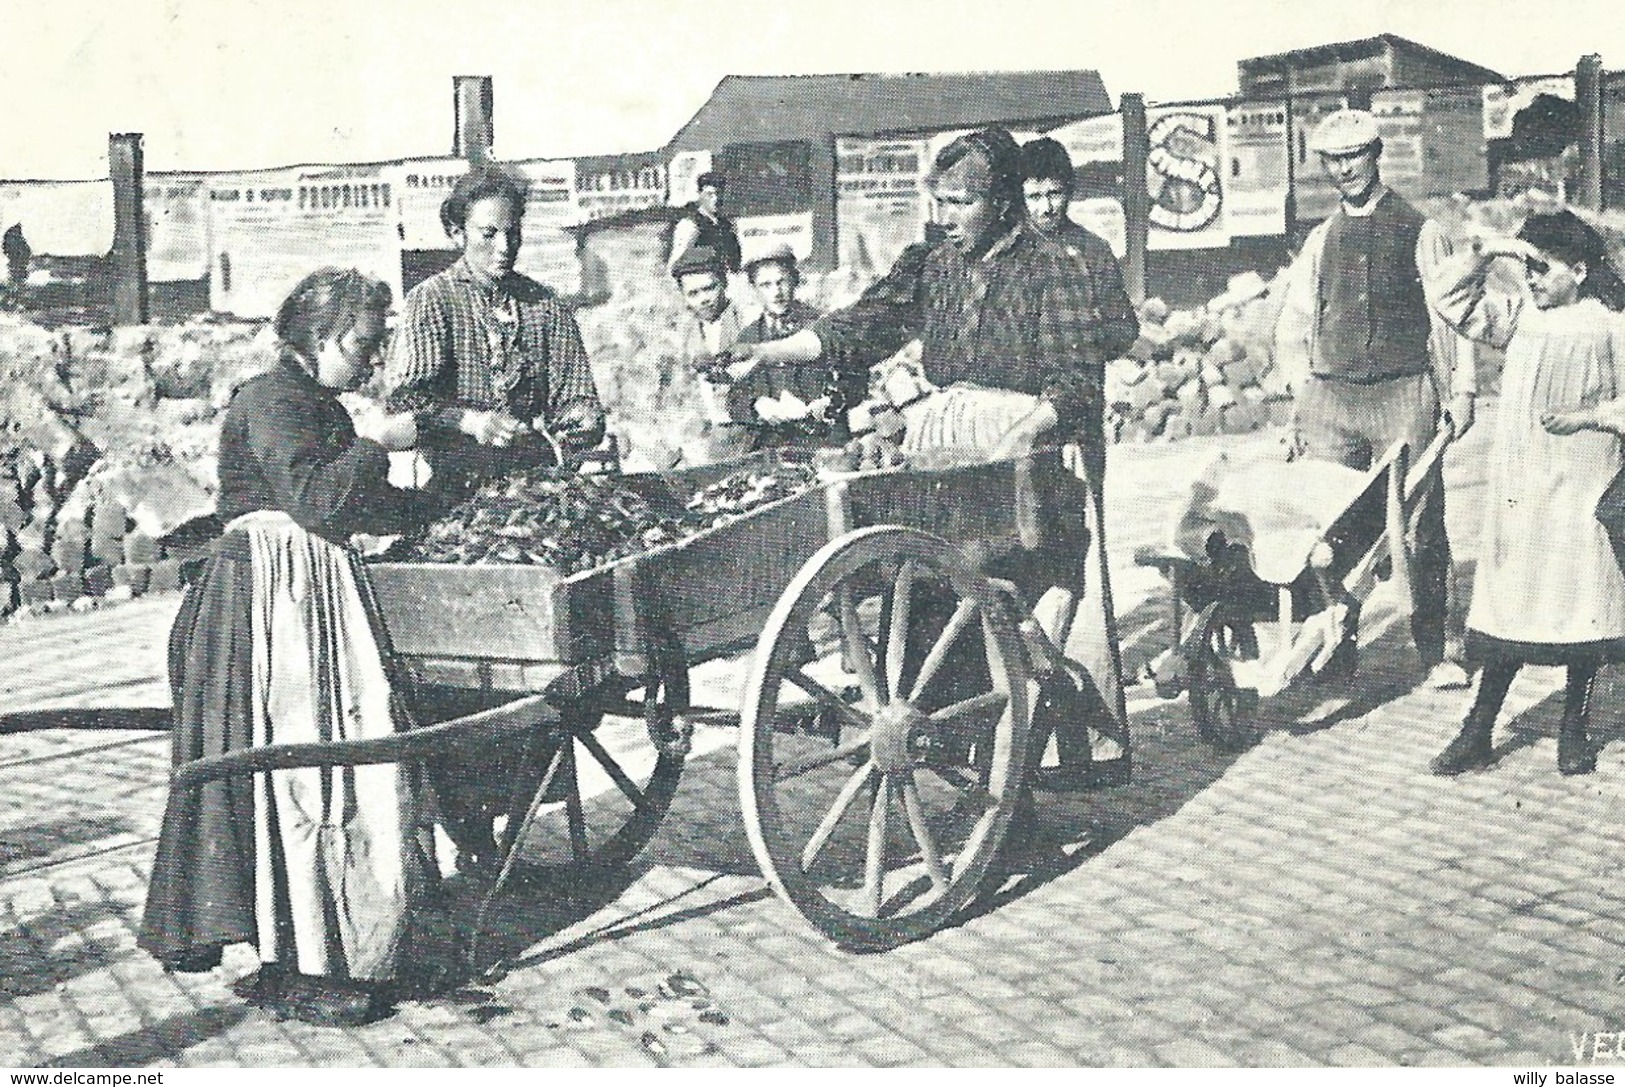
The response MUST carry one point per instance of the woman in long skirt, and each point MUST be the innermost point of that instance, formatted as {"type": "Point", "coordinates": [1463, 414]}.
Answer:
{"type": "Point", "coordinates": [1547, 588]}
{"type": "Point", "coordinates": [276, 643]}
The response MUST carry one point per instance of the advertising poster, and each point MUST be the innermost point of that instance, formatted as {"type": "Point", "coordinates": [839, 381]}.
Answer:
{"type": "Point", "coordinates": [269, 230]}
{"type": "Point", "coordinates": [1455, 157]}
{"type": "Point", "coordinates": [613, 192]}
{"type": "Point", "coordinates": [1095, 145]}
{"type": "Point", "coordinates": [1399, 119]}
{"type": "Point", "coordinates": [418, 186]}
{"type": "Point", "coordinates": [177, 229]}
{"type": "Point", "coordinates": [60, 218]}
{"type": "Point", "coordinates": [1502, 101]}
{"type": "Point", "coordinates": [760, 233]}
{"type": "Point", "coordinates": [684, 177]}
{"type": "Point", "coordinates": [1184, 177]}
{"type": "Point", "coordinates": [1312, 191]}
{"type": "Point", "coordinates": [881, 205]}
{"type": "Point", "coordinates": [1258, 183]}
{"type": "Point", "coordinates": [549, 250]}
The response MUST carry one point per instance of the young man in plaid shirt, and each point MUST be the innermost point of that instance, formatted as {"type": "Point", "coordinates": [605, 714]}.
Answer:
{"type": "Point", "coordinates": [489, 360]}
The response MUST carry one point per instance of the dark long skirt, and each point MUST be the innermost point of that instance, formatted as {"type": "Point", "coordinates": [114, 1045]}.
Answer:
{"type": "Point", "coordinates": [202, 892]}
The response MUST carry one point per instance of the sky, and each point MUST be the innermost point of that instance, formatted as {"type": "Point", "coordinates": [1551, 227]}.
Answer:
{"type": "Point", "coordinates": [219, 84]}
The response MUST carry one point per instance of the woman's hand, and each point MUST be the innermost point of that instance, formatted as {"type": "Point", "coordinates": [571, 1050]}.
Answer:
{"type": "Point", "coordinates": [396, 433]}
{"type": "Point", "coordinates": [1569, 422]}
{"type": "Point", "coordinates": [1024, 436]}
{"type": "Point", "coordinates": [495, 428]}
{"type": "Point", "coordinates": [1515, 248]}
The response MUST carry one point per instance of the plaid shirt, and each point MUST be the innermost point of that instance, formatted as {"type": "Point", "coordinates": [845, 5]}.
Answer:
{"type": "Point", "coordinates": [464, 344]}
{"type": "Point", "coordinates": [1024, 317]}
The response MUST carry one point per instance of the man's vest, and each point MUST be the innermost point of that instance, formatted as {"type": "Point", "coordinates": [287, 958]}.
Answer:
{"type": "Point", "coordinates": [1373, 320]}
{"type": "Point", "coordinates": [719, 234]}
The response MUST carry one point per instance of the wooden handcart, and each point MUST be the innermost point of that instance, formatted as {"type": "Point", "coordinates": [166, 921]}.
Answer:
{"type": "Point", "coordinates": [1243, 628]}
{"type": "Point", "coordinates": [893, 708]}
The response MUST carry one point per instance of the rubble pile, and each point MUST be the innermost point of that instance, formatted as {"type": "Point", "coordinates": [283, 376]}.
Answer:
{"type": "Point", "coordinates": [107, 442]}
{"type": "Point", "coordinates": [1197, 372]}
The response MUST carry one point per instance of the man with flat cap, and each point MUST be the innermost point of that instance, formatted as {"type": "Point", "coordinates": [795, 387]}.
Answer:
{"type": "Point", "coordinates": [702, 279]}
{"type": "Point", "coordinates": [1372, 362]}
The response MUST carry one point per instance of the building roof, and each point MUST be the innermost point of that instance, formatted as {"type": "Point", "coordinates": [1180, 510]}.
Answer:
{"type": "Point", "coordinates": [1365, 47]}
{"type": "Point", "coordinates": [764, 109]}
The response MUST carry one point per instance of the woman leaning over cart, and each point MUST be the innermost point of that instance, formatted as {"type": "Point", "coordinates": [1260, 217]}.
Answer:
{"type": "Point", "coordinates": [274, 644]}
{"type": "Point", "coordinates": [1547, 588]}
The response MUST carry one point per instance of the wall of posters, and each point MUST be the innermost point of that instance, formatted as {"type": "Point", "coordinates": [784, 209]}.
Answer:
{"type": "Point", "coordinates": [1258, 182]}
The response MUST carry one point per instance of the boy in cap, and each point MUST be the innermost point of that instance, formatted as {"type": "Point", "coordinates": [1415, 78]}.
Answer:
{"type": "Point", "coordinates": [1372, 361]}
{"type": "Point", "coordinates": [702, 279]}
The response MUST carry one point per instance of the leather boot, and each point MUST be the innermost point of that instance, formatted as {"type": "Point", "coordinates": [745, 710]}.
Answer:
{"type": "Point", "coordinates": [1472, 749]}
{"type": "Point", "coordinates": [1575, 753]}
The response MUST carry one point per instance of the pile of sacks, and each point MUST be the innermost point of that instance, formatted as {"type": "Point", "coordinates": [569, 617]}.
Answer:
{"type": "Point", "coordinates": [1209, 370]}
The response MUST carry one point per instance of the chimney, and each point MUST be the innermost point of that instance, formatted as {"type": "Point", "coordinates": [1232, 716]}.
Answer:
{"type": "Point", "coordinates": [129, 256]}
{"type": "Point", "coordinates": [471, 99]}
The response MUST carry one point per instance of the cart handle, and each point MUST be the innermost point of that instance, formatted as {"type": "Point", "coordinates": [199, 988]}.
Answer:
{"type": "Point", "coordinates": [510, 717]}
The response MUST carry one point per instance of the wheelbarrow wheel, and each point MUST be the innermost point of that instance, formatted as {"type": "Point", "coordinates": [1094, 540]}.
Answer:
{"type": "Point", "coordinates": [1225, 712]}
{"type": "Point", "coordinates": [879, 817]}
{"type": "Point", "coordinates": [609, 773]}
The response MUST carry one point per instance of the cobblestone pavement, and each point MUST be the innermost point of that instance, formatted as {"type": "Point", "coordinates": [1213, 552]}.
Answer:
{"type": "Point", "coordinates": [1318, 900]}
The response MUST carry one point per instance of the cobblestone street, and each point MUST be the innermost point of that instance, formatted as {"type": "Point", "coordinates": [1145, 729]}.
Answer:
{"type": "Point", "coordinates": [1320, 899]}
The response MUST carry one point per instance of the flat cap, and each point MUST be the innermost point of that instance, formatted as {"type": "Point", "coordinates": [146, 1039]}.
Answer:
{"type": "Point", "coordinates": [1344, 132]}
{"type": "Point", "coordinates": [698, 258]}
{"type": "Point", "coordinates": [779, 251]}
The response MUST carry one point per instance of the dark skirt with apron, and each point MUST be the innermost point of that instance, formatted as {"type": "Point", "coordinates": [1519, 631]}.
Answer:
{"type": "Point", "coordinates": [275, 643]}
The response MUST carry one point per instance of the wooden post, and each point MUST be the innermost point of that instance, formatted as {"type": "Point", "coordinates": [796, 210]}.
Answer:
{"type": "Point", "coordinates": [1136, 197]}
{"type": "Point", "coordinates": [129, 256]}
{"type": "Point", "coordinates": [1588, 96]}
{"type": "Point", "coordinates": [472, 103]}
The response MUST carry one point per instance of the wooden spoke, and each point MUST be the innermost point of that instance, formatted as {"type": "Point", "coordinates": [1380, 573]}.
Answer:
{"type": "Point", "coordinates": [572, 805]}
{"type": "Point", "coordinates": [897, 636]}
{"type": "Point", "coordinates": [826, 826]}
{"type": "Point", "coordinates": [939, 652]}
{"type": "Point", "coordinates": [826, 697]}
{"type": "Point", "coordinates": [864, 873]}
{"type": "Point", "coordinates": [968, 706]}
{"type": "Point", "coordinates": [857, 648]}
{"type": "Point", "coordinates": [797, 767]}
{"type": "Point", "coordinates": [970, 790]}
{"type": "Point", "coordinates": [922, 833]}
{"type": "Point", "coordinates": [874, 867]}
{"type": "Point", "coordinates": [611, 767]}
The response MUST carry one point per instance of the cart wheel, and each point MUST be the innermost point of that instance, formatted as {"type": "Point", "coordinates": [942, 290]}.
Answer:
{"type": "Point", "coordinates": [609, 774]}
{"type": "Point", "coordinates": [879, 817]}
{"type": "Point", "coordinates": [1226, 713]}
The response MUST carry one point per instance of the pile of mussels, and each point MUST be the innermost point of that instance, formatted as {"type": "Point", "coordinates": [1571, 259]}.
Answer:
{"type": "Point", "coordinates": [572, 523]}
